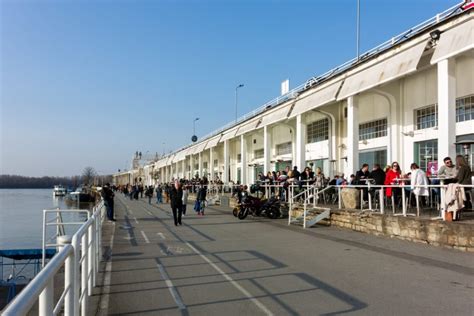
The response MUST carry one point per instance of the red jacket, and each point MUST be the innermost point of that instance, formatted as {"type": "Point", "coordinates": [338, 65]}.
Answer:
{"type": "Point", "coordinates": [390, 179]}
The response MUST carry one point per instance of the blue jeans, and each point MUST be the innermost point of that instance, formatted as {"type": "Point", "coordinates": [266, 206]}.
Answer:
{"type": "Point", "coordinates": [109, 205]}
{"type": "Point", "coordinates": [159, 197]}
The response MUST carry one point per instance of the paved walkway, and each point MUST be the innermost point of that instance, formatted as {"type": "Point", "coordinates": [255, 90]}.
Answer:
{"type": "Point", "coordinates": [219, 265]}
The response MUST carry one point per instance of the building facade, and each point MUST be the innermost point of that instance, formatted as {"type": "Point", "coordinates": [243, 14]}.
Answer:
{"type": "Point", "coordinates": [410, 100]}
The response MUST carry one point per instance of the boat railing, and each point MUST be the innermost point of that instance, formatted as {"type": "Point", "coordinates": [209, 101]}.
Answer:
{"type": "Point", "coordinates": [80, 258]}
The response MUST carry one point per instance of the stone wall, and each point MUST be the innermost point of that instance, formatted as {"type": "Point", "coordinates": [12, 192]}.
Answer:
{"type": "Point", "coordinates": [456, 235]}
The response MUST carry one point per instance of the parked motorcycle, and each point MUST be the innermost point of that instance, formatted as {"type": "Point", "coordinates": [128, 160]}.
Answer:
{"type": "Point", "coordinates": [271, 208]}
{"type": "Point", "coordinates": [250, 205]}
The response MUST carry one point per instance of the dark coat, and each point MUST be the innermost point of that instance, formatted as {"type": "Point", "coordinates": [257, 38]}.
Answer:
{"type": "Point", "coordinates": [379, 176]}
{"type": "Point", "coordinates": [176, 197]}
{"type": "Point", "coordinates": [464, 175]}
{"type": "Point", "coordinates": [361, 175]}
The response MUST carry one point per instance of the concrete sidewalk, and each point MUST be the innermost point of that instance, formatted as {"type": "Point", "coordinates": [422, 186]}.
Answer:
{"type": "Point", "coordinates": [217, 264]}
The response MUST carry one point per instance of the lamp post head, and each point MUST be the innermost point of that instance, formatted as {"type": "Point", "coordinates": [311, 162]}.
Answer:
{"type": "Point", "coordinates": [240, 86]}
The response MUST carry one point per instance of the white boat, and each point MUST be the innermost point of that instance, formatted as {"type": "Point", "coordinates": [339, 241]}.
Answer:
{"type": "Point", "coordinates": [59, 190]}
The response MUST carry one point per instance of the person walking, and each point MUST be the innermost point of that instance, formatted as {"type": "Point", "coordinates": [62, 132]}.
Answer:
{"type": "Point", "coordinates": [185, 200]}
{"type": "Point", "coordinates": [176, 201]}
{"type": "Point", "coordinates": [108, 196]}
{"type": "Point", "coordinates": [149, 193]}
{"type": "Point", "coordinates": [159, 194]}
{"type": "Point", "coordinates": [201, 197]}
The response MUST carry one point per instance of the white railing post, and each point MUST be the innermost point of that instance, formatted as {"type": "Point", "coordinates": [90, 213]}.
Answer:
{"type": "Point", "coordinates": [404, 202]}
{"type": "Point", "coordinates": [77, 280]}
{"type": "Point", "coordinates": [91, 257]}
{"type": "Point", "coordinates": [381, 201]}
{"type": "Point", "coordinates": [84, 271]}
{"type": "Point", "coordinates": [304, 214]}
{"type": "Point", "coordinates": [290, 208]}
{"type": "Point", "coordinates": [43, 244]}
{"type": "Point", "coordinates": [443, 202]}
{"type": "Point", "coordinates": [69, 285]}
{"type": "Point", "coordinates": [46, 300]}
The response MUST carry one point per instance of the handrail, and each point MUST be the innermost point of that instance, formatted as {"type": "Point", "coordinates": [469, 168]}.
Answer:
{"type": "Point", "coordinates": [41, 281]}
{"type": "Point", "coordinates": [317, 80]}
{"type": "Point", "coordinates": [81, 261]}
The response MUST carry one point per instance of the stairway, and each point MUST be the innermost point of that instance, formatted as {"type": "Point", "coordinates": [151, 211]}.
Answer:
{"type": "Point", "coordinates": [314, 215]}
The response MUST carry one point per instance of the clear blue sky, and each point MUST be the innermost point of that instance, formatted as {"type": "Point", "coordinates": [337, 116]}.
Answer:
{"type": "Point", "coordinates": [90, 82]}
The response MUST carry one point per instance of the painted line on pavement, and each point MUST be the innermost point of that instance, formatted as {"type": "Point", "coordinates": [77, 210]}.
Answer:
{"type": "Point", "coordinates": [262, 307]}
{"type": "Point", "coordinates": [135, 219]}
{"type": "Point", "coordinates": [161, 235]}
{"type": "Point", "coordinates": [171, 287]}
{"type": "Point", "coordinates": [105, 297]}
{"type": "Point", "coordinates": [145, 237]}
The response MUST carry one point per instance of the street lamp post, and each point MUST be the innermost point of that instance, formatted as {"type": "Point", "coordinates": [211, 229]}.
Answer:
{"type": "Point", "coordinates": [194, 137]}
{"type": "Point", "coordinates": [237, 99]}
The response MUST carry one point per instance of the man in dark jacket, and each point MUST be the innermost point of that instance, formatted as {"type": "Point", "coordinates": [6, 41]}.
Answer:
{"type": "Point", "coordinates": [108, 196]}
{"type": "Point", "coordinates": [361, 179]}
{"type": "Point", "coordinates": [378, 175]}
{"type": "Point", "coordinates": [176, 201]}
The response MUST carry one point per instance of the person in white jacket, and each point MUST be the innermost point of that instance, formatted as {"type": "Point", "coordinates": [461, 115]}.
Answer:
{"type": "Point", "coordinates": [418, 182]}
{"type": "Point", "coordinates": [185, 199]}
{"type": "Point", "coordinates": [418, 177]}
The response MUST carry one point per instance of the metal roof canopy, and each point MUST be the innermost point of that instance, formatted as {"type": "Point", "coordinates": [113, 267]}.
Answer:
{"type": "Point", "coordinates": [213, 142]}
{"type": "Point", "coordinates": [247, 127]}
{"type": "Point", "coordinates": [388, 69]}
{"type": "Point", "coordinates": [454, 41]}
{"type": "Point", "coordinates": [280, 114]}
{"type": "Point", "coordinates": [322, 96]}
{"type": "Point", "coordinates": [228, 135]}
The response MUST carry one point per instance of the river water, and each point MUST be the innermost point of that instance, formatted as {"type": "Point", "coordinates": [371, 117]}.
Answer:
{"type": "Point", "coordinates": [21, 216]}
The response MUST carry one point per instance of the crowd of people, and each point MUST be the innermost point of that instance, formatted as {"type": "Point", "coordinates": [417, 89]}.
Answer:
{"type": "Point", "coordinates": [415, 180]}
{"type": "Point", "coordinates": [176, 191]}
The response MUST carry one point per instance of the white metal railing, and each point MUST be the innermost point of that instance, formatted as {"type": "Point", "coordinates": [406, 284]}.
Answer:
{"type": "Point", "coordinates": [81, 262]}
{"type": "Point", "coordinates": [313, 193]}
{"type": "Point", "coordinates": [337, 70]}
{"type": "Point", "coordinates": [381, 197]}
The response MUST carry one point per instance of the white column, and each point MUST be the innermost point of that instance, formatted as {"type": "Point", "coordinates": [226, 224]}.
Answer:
{"type": "Point", "coordinates": [243, 152]}
{"type": "Point", "coordinates": [191, 166]}
{"type": "Point", "coordinates": [225, 174]}
{"type": "Point", "coordinates": [200, 165]}
{"type": "Point", "coordinates": [446, 108]}
{"type": "Point", "coordinates": [211, 164]}
{"type": "Point", "coordinates": [300, 143]}
{"type": "Point", "coordinates": [184, 168]}
{"type": "Point", "coordinates": [267, 148]}
{"type": "Point", "coordinates": [352, 136]}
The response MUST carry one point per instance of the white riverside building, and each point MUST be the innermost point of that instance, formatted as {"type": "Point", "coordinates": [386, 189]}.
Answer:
{"type": "Point", "coordinates": [408, 100]}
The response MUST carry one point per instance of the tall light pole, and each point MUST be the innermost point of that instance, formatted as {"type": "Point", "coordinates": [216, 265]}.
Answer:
{"type": "Point", "coordinates": [163, 144]}
{"type": "Point", "coordinates": [237, 99]}
{"type": "Point", "coordinates": [194, 137]}
{"type": "Point", "coordinates": [358, 29]}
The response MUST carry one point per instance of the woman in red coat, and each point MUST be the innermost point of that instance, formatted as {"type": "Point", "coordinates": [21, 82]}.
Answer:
{"type": "Point", "coordinates": [392, 174]}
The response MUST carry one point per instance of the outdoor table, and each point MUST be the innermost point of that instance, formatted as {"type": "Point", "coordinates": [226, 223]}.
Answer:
{"type": "Point", "coordinates": [368, 181]}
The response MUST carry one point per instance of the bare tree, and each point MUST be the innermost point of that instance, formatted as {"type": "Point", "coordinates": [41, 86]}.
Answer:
{"type": "Point", "coordinates": [88, 175]}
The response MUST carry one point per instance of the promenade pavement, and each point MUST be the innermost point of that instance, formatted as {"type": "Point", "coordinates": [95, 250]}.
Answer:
{"type": "Point", "coordinates": [219, 265]}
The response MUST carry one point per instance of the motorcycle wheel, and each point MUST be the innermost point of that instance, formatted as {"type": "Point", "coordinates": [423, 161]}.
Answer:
{"type": "Point", "coordinates": [243, 213]}
{"type": "Point", "coordinates": [273, 213]}
{"type": "Point", "coordinates": [235, 211]}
